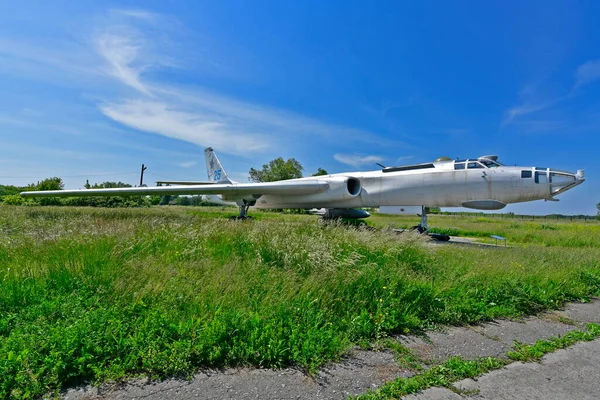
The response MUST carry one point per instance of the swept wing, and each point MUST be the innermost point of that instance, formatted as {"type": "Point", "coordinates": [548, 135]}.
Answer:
{"type": "Point", "coordinates": [281, 188]}
{"type": "Point", "coordinates": [185, 183]}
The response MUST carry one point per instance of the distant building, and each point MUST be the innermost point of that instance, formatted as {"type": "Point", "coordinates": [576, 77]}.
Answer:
{"type": "Point", "coordinates": [400, 210]}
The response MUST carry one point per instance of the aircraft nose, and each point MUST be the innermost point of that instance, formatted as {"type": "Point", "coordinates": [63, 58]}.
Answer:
{"type": "Point", "coordinates": [561, 181]}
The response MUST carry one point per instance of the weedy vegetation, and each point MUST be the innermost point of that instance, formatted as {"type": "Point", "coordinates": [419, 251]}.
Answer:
{"type": "Point", "coordinates": [91, 295]}
{"type": "Point", "coordinates": [454, 369]}
{"type": "Point", "coordinates": [534, 352]}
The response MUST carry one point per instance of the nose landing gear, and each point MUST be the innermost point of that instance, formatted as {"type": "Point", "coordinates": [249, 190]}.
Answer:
{"type": "Point", "coordinates": [424, 228]}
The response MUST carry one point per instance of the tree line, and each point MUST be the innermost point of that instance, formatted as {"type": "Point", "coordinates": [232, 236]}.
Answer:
{"type": "Point", "coordinates": [10, 195]}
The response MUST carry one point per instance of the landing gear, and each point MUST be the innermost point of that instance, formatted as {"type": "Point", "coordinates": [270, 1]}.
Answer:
{"type": "Point", "coordinates": [244, 206]}
{"type": "Point", "coordinates": [424, 228]}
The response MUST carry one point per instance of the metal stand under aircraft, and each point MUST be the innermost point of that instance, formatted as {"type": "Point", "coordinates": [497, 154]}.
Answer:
{"type": "Point", "coordinates": [423, 227]}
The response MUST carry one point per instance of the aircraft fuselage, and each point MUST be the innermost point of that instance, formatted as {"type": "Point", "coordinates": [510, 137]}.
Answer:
{"type": "Point", "coordinates": [440, 185]}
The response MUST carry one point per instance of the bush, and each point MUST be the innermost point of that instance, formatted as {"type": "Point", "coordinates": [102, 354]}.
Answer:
{"type": "Point", "coordinates": [13, 200]}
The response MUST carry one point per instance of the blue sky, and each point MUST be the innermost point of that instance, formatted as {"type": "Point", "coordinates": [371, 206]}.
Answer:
{"type": "Point", "coordinates": [94, 89]}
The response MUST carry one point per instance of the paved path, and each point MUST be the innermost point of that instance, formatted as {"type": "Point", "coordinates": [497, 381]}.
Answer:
{"type": "Point", "coordinates": [573, 373]}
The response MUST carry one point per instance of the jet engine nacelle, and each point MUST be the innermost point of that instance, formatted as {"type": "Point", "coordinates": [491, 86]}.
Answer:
{"type": "Point", "coordinates": [340, 188]}
{"type": "Point", "coordinates": [335, 213]}
{"type": "Point", "coordinates": [248, 199]}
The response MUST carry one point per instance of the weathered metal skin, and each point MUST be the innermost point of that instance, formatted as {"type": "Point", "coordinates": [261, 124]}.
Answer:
{"type": "Point", "coordinates": [440, 186]}
{"type": "Point", "coordinates": [480, 183]}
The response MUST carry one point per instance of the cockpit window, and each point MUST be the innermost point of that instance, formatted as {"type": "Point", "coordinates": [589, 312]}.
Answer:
{"type": "Point", "coordinates": [540, 177]}
{"type": "Point", "coordinates": [526, 174]}
{"type": "Point", "coordinates": [473, 165]}
{"type": "Point", "coordinates": [459, 165]}
{"type": "Point", "coordinates": [489, 163]}
{"type": "Point", "coordinates": [558, 178]}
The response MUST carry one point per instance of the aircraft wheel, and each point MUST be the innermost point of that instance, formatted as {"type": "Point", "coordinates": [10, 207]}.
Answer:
{"type": "Point", "coordinates": [238, 218]}
{"type": "Point", "coordinates": [439, 237]}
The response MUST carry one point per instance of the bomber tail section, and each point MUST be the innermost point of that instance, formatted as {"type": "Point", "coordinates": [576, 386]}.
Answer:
{"type": "Point", "coordinates": [216, 172]}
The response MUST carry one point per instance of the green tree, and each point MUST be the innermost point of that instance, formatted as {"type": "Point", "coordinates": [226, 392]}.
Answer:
{"type": "Point", "coordinates": [9, 190]}
{"type": "Point", "coordinates": [277, 170]}
{"type": "Point", "coordinates": [598, 207]}
{"type": "Point", "coordinates": [54, 183]}
{"type": "Point", "coordinates": [320, 172]}
{"type": "Point", "coordinates": [110, 185]}
{"type": "Point", "coordinates": [154, 200]}
{"type": "Point", "coordinates": [110, 201]}
{"type": "Point", "coordinates": [183, 201]}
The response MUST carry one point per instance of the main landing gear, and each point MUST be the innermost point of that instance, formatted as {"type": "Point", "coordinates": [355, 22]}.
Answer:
{"type": "Point", "coordinates": [243, 207]}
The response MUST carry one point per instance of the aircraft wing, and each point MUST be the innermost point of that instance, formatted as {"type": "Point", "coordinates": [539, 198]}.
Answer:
{"type": "Point", "coordinates": [185, 183]}
{"type": "Point", "coordinates": [281, 188]}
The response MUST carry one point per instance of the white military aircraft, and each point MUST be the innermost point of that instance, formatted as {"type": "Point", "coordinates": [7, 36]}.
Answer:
{"type": "Point", "coordinates": [482, 183]}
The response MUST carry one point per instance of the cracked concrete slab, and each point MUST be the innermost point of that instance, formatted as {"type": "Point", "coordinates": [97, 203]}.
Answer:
{"type": "Point", "coordinates": [463, 342]}
{"type": "Point", "coordinates": [434, 394]}
{"type": "Point", "coordinates": [576, 374]}
{"type": "Point", "coordinates": [489, 339]}
{"type": "Point", "coordinates": [360, 371]}
{"type": "Point", "coordinates": [582, 312]}
{"type": "Point", "coordinates": [526, 331]}
{"type": "Point", "coordinates": [572, 373]}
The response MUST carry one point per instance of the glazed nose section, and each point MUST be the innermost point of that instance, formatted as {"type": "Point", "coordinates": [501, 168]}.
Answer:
{"type": "Point", "coordinates": [561, 181]}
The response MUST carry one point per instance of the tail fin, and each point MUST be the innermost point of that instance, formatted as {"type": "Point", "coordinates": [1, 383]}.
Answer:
{"type": "Point", "coordinates": [216, 173]}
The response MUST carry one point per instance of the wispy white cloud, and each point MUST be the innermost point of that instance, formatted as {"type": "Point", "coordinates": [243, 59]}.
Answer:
{"type": "Point", "coordinates": [356, 160]}
{"type": "Point", "coordinates": [532, 102]}
{"type": "Point", "coordinates": [586, 73]}
{"type": "Point", "coordinates": [127, 48]}
{"type": "Point", "coordinates": [49, 60]}
{"type": "Point", "coordinates": [137, 13]}
{"type": "Point", "coordinates": [199, 116]}
{"type": "Point", "coordinates": [163, 119]}
{"type": "Point", "coordinates": [403, 158]}
{"type": "Point", "coordinates": [187, 164]}
{"type": "Point", "coordinates": [120, 51]}
{"type": "Point", "coordinates": [526, 108]}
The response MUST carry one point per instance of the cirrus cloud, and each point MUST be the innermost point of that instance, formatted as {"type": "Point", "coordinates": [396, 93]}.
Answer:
{"type": "Point", "coordinates": [356, 160]}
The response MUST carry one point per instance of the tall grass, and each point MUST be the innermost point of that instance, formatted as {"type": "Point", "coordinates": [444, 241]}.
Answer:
{"type": "Point", "coordinates": [91, 295]}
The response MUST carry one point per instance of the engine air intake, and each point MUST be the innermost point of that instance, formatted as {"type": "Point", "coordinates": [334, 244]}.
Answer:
{"type": "Point", "coordinates": [354, 187]}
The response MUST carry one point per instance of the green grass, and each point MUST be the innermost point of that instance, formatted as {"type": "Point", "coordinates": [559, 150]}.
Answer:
{"type": "Point", "coordinates": [543, 232]}
{"type": "Point", "coordinates": [89, 295]}
{"type": "Point", "coordinates": [527, 352]}
{"type": "Point", "coordinates": [443, 375]}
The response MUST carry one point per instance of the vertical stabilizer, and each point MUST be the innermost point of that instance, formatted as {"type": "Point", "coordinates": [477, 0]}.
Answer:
{"type": "Point", "coordinates": [216, 173]}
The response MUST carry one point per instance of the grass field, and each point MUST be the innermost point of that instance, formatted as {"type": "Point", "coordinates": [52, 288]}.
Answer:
{"type": "Point", "coordinates": [89, 295]}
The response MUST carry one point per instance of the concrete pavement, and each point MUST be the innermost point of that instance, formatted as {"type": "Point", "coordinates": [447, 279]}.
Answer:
{"type": "Point", "coordinates": [573, 373]}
